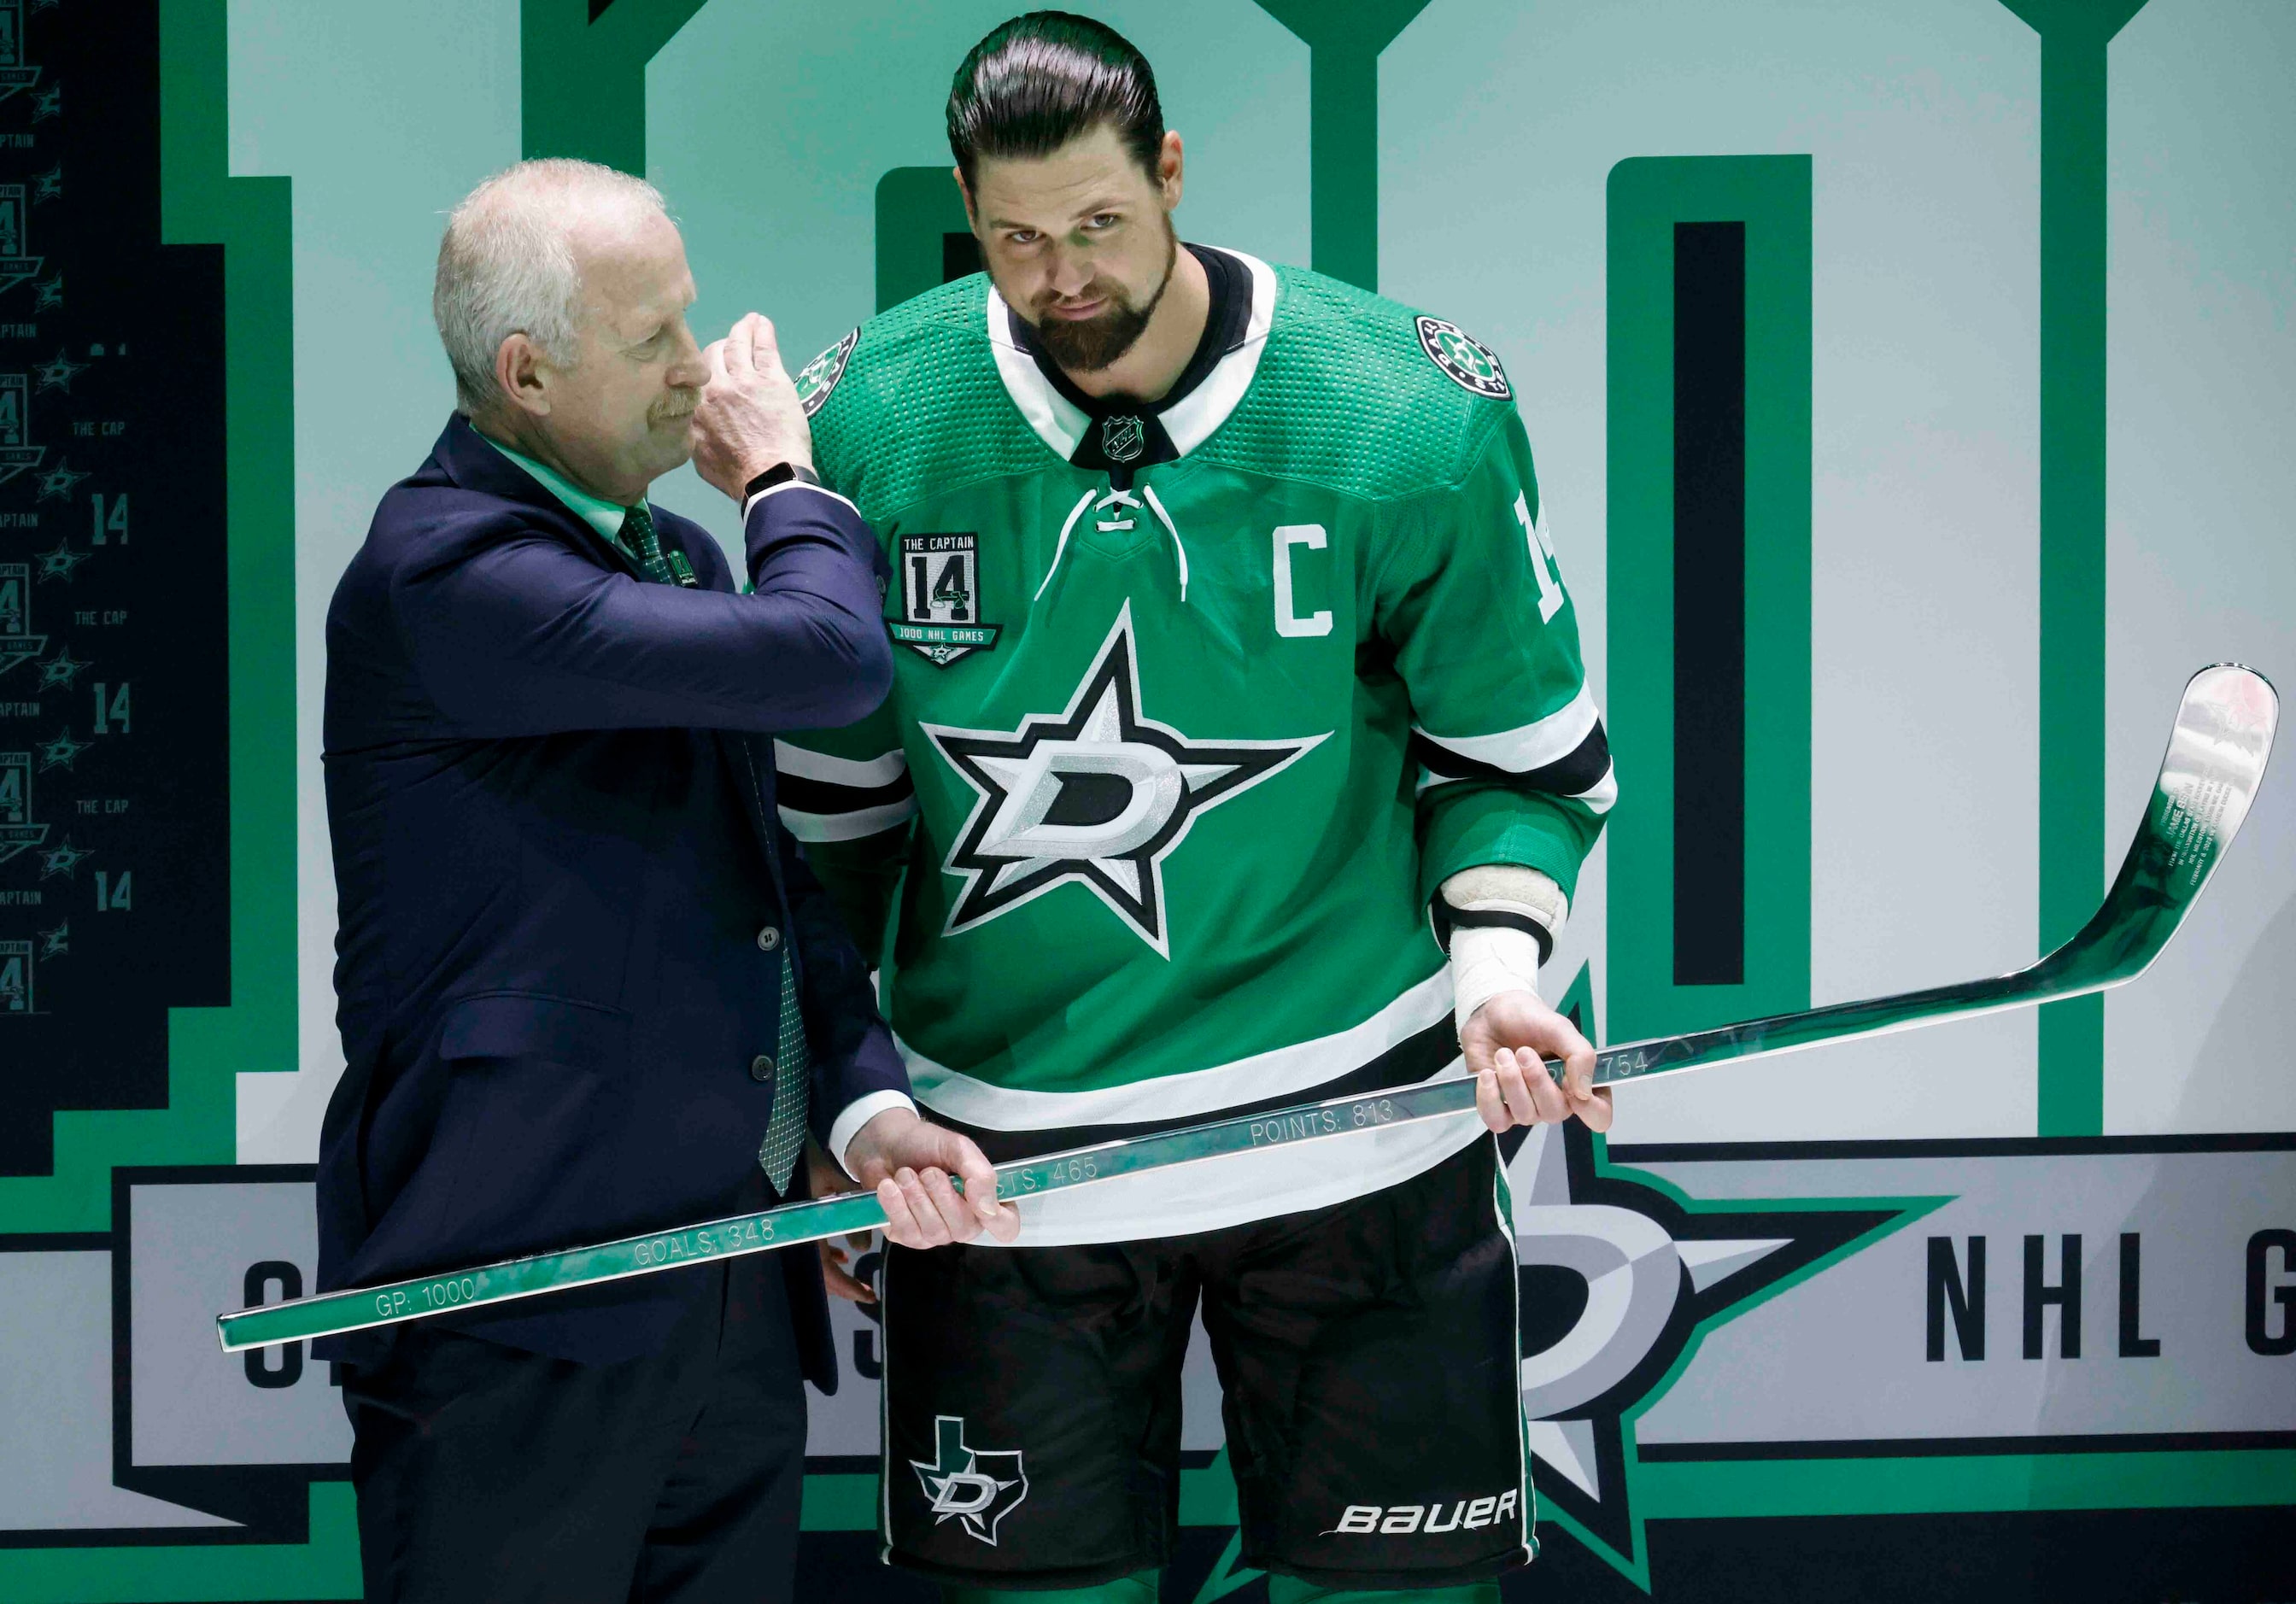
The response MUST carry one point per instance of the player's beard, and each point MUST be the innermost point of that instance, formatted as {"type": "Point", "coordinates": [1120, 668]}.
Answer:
{"type": "Point", "coordinates": [1087, 345]}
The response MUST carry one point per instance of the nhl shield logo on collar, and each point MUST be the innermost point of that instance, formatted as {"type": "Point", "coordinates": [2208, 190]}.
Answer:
{"type": "Point", "coordinates": [1122, 439]}
{"type": "Point", "coordinates": [1467, 361]}
{"type": "Point", "coordinates": [940, 598]}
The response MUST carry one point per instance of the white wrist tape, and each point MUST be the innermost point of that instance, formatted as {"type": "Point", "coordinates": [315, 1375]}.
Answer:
{"type": "Point", "coordinates": [1485, 963]}
{"type": "Point", "coordinates": [1494, 955]}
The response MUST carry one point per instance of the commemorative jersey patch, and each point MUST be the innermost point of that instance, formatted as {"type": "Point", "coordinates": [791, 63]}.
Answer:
{"type": "Point", "coordinates": [940, 598]}
{"type": "Point", "coordinates": [819, 377]}
{"type": "Point", "coordinates": [1469, 363]}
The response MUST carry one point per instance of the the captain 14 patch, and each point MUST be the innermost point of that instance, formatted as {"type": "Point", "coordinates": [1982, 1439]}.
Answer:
{"type": "Point", "coordinates": [1468, 361]}
{"type": "Point", "coordinates": [940, 598]}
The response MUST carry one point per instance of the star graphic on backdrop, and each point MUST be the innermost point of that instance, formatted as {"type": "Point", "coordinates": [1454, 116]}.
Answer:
{"type": "Point", "coordinates": [56, 484]}
{"type": "Point", "coordinates": [49, 102]}
{"type": "Point", "coordinates": [1672, 1267]}
{"type": "Point", "coordinates": [60, 374]}
{"type": "Point", "coordinates": [57, 943]}
{"type": "Point", "coordinates": [40, 5]}
{"type": "Point", "coordinates": [50, 294]}
{"type": "Point", "coordinates": [51, 185]}
{"type": "Point", "coordinates": [62, 752]}
{"type": "Point", "coordinates": [60, 670]}
{"type": "Point", "coordinates": [1098, 795]}
{"type": "Point", "coordinates": [60, 563]}
{"type": "Point", "coordinates": [64, 860]}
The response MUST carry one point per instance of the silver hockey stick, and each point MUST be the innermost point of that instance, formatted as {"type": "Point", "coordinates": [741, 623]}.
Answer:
{"type": "Point", "coordinates": [2215, 759]}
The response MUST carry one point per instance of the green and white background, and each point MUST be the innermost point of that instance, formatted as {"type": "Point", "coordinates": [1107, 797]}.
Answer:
{"type": "Point", "coordinates": [2020, 388]}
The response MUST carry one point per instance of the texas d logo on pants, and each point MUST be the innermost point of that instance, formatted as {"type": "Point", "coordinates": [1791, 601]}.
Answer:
{"type": "Point", "coordinates": [977, 1486]}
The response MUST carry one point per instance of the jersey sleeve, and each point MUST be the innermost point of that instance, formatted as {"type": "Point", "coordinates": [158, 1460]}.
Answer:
{"type": "Point", "coordinates": [1512, 761]}
{"type": "Point", "coordinates": [845, 795]}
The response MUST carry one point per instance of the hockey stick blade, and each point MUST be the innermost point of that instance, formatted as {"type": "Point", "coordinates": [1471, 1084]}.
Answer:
{"type": "Point", "coordinates": [2216, 760]}
{"type": "Point", "coordinates": [2209, 777]}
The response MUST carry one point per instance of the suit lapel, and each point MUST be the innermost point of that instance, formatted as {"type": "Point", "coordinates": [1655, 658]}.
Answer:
{"type": "Point", "coordinates": [469, 461]}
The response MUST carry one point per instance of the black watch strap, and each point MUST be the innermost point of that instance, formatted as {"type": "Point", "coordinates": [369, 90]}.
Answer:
{"type": "Point", "coordinates": [780, 473]}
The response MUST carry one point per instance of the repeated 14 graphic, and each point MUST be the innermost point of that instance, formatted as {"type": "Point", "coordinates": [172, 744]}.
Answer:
{"type": "Point", "coordinates": [115, 869]}
{"type": "Point", "coordinates": [66, 689]}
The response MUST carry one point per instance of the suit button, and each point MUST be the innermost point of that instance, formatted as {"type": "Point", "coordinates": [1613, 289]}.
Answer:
{"type": "Point", "coordinates": [768, 939]}
{"type": "Point", "coordinates": [761, 1067]}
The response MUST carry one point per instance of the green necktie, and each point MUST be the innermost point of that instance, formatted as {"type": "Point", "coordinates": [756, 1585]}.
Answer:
{"type": "Point", "coordinates": [785, 1128]}
{"type": "Point", "coordinates": [638, 540]}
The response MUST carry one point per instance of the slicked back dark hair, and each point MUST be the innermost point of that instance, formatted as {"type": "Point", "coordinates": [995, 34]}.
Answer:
{"type": "Point", "coordinates": [1038, 81]}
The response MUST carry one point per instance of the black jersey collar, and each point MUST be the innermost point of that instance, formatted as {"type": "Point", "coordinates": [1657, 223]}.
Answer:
{"type": "Point", "coordinates": [1095, 433]}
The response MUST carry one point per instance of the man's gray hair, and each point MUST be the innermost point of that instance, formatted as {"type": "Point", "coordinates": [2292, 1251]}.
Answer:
{"type": "Point", "coordinates": [506, 267]}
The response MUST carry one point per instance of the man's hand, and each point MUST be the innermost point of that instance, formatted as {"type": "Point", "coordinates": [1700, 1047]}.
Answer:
{"type": "Point", "coordinates": [748, 418]}
{"type": "Point", "coordinates": [1504, 1043]}
{"type": "Point", "coordinates": [909, 1161]}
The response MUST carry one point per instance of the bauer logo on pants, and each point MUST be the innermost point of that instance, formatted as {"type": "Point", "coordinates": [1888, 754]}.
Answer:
{"type": "Point", "coordinates": [977, 1486]}
{"type": "Point", "coordinates": [1401, 1520]}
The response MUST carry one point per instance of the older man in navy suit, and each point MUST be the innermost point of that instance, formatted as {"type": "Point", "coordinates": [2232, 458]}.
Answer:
{"type": "Point", "coordinates": [587, 985]}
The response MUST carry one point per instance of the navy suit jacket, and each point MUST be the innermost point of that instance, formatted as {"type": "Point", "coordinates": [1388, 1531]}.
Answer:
{"type": "Point", "coordinates": [565, 896]}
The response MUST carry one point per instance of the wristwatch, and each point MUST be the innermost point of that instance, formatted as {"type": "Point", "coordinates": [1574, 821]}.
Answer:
{"type": "Point", "coordinates": [780, 473]}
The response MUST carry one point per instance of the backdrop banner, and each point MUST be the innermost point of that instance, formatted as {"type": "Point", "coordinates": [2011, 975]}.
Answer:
{"type": "Point", "coordinates": [1908, 387]}
{"type": "Point", "coordinates": [1705, 1328]}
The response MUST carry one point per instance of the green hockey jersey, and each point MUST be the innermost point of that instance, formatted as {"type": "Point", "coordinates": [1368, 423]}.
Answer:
{"type": "Point", "coordinates": [1195, 705]}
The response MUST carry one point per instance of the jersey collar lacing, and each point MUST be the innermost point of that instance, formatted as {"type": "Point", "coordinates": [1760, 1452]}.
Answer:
{"type": "Point", "coordinates": [1175, 427]}
{"type": "Point", "coordinates": [1116, 500]}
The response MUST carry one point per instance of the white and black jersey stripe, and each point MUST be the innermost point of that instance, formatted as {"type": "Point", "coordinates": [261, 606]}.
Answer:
{"type": "Point", "coordinates": [826, 799]}
{"type": "Point", "coordinates": [1447, 919]}
{"type": "Point", "coordinates": [1564, 754]}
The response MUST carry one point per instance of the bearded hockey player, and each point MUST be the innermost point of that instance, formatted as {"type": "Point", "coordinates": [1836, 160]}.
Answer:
{"type": "Point", "coordinates": [1237, 684]}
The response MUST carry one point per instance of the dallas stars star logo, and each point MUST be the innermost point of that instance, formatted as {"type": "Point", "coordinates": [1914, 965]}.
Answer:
{"type": "Point", "coordinates": [976, 1486]}
{"type": "Point", "coordinates": [48, 294]}
{"type": "Point", "coordinates": [62, 752]}
{"type": "Point", "coordinates": [64, 860]}
{"type": "Point", "coordinates": [1099, 795]}
{"type": "Point", "coordinates": [60, 563]}
{"type": "Point", "coordinates": [49, 184]}
{"type": "Point", "coordinates": [60, 374]}
{"type": "Point", "coordinates": [1672, 1268]}
{"type": "Point", "coordinates": [60, 670]}
{"type": "Point", "coordinates": [57, 943]}
{"type": "Point", "coordinates": [56, 484]}
{"type": "Point", "coordinates": [48, 103]}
